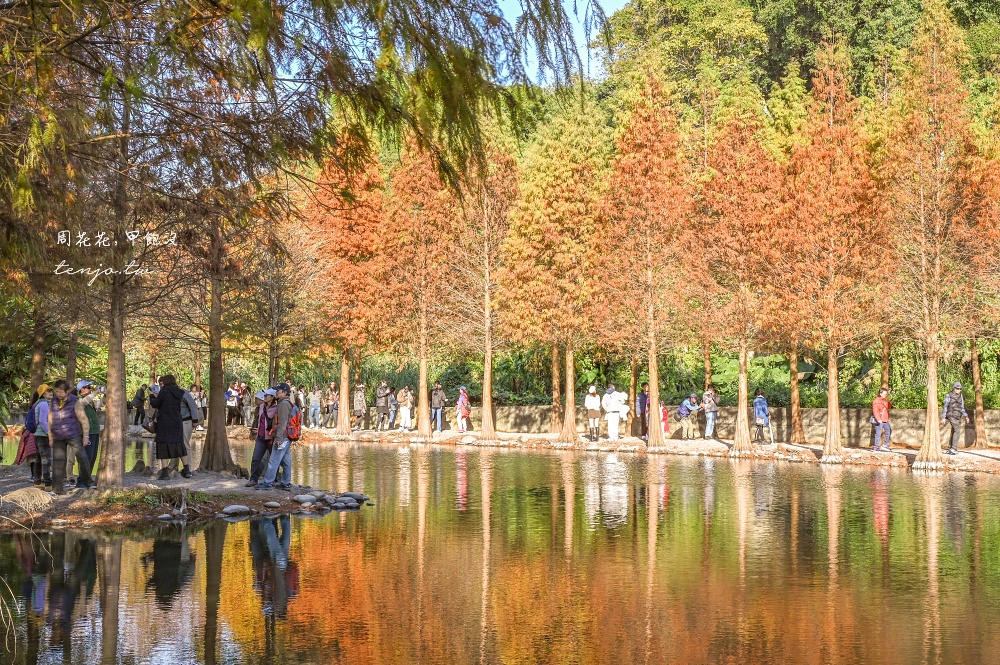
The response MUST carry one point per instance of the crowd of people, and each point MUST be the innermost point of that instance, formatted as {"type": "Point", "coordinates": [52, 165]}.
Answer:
{"type": "Point", "coordinates": [62, 428]}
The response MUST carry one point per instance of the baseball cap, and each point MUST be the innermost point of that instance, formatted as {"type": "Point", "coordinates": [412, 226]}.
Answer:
{"type": "Point", "coordinates": [284, 387]}
{"type": "Point", "coordinates": [83, 384]}
{"type": "Point", "coordinates": [260, 394]}
{"type": "Point", "coordinates": [270, 391]}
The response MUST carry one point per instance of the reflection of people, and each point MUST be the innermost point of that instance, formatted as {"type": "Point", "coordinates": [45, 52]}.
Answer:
{"type": "Point", "coordinates": [74, 566]}
{"type": "Point", "coordinates": [276, 577]}
{"type": "Point", "coordinates": [173, 567]}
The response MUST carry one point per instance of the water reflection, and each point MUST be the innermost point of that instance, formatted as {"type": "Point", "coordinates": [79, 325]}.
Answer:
{"type": "Point", "coordinates": [496, 556]}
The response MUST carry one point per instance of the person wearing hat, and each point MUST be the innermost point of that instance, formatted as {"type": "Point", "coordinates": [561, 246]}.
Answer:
{"type": "Point", "coordinates": [41, 467]}
{"type": "Point", "coordinates": [593, 404]}
{"type": "Point", "coordinates": [267, 409]}
{"type": "Point", "coordinates": [463, 409]}
{"type": "Point", "coordinates": [686, 412]}
{"type": "Point", "coordinates": [281, 447]}
{"type": "Point", "coordinates": [86, 392]}
{"type": "Point", "coordinates": [67, 425]}
{"type": "Point", "coordinates": [954, 413]}
{"type": "Point", "coordinates": [615, 405]}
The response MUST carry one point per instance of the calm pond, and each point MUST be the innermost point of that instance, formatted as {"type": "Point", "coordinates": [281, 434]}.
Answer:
{"type": "Point", "coordinates": [489, 556]}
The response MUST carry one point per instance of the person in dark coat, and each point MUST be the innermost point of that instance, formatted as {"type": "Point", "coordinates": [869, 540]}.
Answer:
{"type": "Point", "coordinates": [170, 426]}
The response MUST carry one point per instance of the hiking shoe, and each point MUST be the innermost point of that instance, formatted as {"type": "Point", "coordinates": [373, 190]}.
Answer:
{"type": "Point", "coordinates": [264, 486]}
{"type": "Point", "coordinates": [164, 473]}
{"type": "Point", "coordinates": [952, 451]}
{"type": "Point", "coordinates": [251, 483]}
{"type": "Point", "coordinates": [285, 488]}
{"type": "Point", "coordinates": [186, 472]}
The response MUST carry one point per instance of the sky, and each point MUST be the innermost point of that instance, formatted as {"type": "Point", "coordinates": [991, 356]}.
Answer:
{"type": "Point", "coordinates": [512, 9]}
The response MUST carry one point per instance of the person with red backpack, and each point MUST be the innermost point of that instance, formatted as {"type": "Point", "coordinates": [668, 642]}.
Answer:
{"type": "Point", "coordinates": [287, 428]}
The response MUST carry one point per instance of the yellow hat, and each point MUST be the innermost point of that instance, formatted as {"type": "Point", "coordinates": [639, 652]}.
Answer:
{"type": "Point", "coordinates": [42, 388]}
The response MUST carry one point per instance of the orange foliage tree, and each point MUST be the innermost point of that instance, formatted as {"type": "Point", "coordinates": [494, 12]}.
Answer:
{"type": "Point", "coordinates": [827, 231]}
{"type": "Point", "coordinates": [549, 276]}
{"type": "Point", "coordinates": [937, 168]}
{"type": "Point", "coordinates": [735, 248]}
{"type": "Point", "coordinates": [424, 218]}
{"type": "Point", "coordinates": [476, 262]}
{"type": "Point", "coordinates": [349, 215]}
{"type": "Point", "coordinates": [647, 204]}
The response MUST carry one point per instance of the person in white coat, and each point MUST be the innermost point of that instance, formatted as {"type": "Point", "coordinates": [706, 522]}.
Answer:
{"type": "Point", "coordinates": [593, 405]}
{"type": "Point", "coordinates": [615, 409]}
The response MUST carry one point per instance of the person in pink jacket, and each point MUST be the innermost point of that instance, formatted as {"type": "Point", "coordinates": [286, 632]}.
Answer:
{"type": "Point", "coordinates": [880, 418]}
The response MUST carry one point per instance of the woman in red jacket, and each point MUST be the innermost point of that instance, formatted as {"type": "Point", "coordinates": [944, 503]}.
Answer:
{"type": "Point", "coordinates": [880, 418]}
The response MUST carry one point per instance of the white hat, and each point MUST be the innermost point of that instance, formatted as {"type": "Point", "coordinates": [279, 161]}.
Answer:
{"type": "Point", "coordinates": [260, 395]}
{"type": "Point", "coordinates": [593, 389]}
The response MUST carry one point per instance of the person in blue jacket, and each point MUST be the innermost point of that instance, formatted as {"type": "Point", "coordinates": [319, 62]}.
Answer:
{"type": "Point", "coordinates": [761, 417]}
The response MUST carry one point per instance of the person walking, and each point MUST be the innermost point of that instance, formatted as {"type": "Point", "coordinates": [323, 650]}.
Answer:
{"type": "Point", "coordinates": [438, 402]}
{"type": "Point", "coordinates": [615, 408]}
{"type": "Point", "coordinates": [42, 467]}
{"type": "Point", "coordinates": [170, 426]}
{"type": "Point", "coordinates": [332, 405]}
{"type": "Point", "coordinates": [246, 404]}
{"type": "Point", "coordinates": [405, 399]}
{"type": "Point", "coordinates": [463, 409]}
{"type": "Point", "coordinates": [139, 405]}
{"type": "Point", "coordinates": [232, 404]}
{"type": "Point", "coordinates": [202, 400]}
{"type": "Point", "coordinates": [642, 411]}
{"type": "Point", "coordinates": [593, 405]}
{"type": "Point", "coordinates": [263, 436]}
{"type": "Point", "coordinates": [687, 412]}
{"type": "Point", "coordinates": [315, 407]}
{"type": "Point", "coordinates": [954, 413]}
{"type": "Point", "coordinates": [86, 395]}
{"type": "Point", "coordinates": [710, 404]}
{"type": "Point", "coordinates": [880, 418]}
{"type": "Point", "coordinates": [281, 446]}
{"type": "Point", "coordinates": [359, 405]}
{"type": "Point", "coordinates": [382, 393]}
{"type": "Point", "coordinates": [67, 424]}
{"type": "Point", "coordinates": [393, 407]}
{"type": "Point", "coordinates": [761, 417]}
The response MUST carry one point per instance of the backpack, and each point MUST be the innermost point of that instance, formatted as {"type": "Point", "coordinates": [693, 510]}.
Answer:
{"type": "Point", "coordinates": [31, 419]}
{"type": "Point", "coordinates": [293, 430]}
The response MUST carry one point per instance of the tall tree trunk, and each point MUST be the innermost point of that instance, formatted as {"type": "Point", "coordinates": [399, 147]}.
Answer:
{"type": "Point", "coordinates": [655, 426]}
{"type": "Point", "coordinates": [109, 564]}
{"type": "Point", "coordinates": [111, 471]}
{"type": "Point", "coordinates": [929, 456]}
{"type": "Point", "coordinates": [797, 434]}
{"type": "Point", "coordinates": [832, 449]}
{"type": "Point", "coordinates": [215, 455]}
{"type": "Point", "coordinates": [272, 362]}
{"type": "Point", "coordinates": [215, 544]}
{"type": "Point", "coordinates": [71, 353]}
{"type": "Point", "coordinates": [38, 349]}
{"type": "Point", "coordinates": [489, 432]}
{"type": "Point", "coordinates": [555, 423]}
{"type": "Point", "coordinates": [633, 393]}
{"type": "Point", "coordinates": [742, 446]}
{"type": "Point", "coordinates": [707, 358]}
{"type": "Point", "coordinates": [568, 433]}
{"type": "Point", "coordinates": [423, 399]}
{"type": "Point", "coordinates": [346, 396]}
{"type": "Point", "coordinates": [886, 351]}
{"type": "Point", "coordinates": [977, 385]}
{"type": "Point", "coordinates": [112, 468]}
